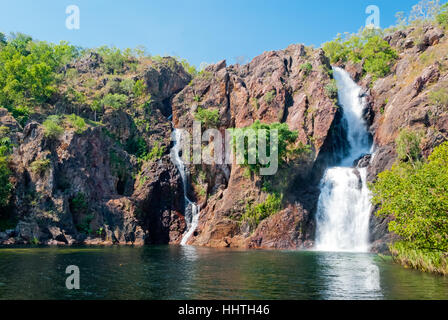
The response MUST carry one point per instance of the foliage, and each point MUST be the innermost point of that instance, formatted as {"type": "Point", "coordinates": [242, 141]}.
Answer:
{"type": "Point", "coordinates": [270, 96]}
{"type": "Point", "coordinates": [209, 118]}
{"type": "Point", "coordinates": [368, 46]}
{"type": "Point", "coordinates": [408, 145]}
{"type": "Point", "coordinates": [424, 11]}
{"type": "Point", "coordinates": [139, 88]}
{"type": "Point", "coordinates": [52, 128]}
{"type": "Point", "coordinates": [255, 214]}
{"type": "Point", "coordinates": [423, 260]}
{"type": "Point", "coordinates": [286, 139]}
{"type": "Point", "coordinates": [442, 16]}
{"type": "Point", "coordinates": [114, 59]}
{"type": "Point", "coordinates": [191, 69]}
{"type": "Point", "coordinates": [115, 101]}
{"type": "Point", "coordinates": [157, 152]}
{"type": "Point", "coordinates": [79, 204]}
{"type": "Point", "coordinates": [137, 146]}
{"type": "Point", "coordinates": [416, 196]}
{"type": "Point", "coordinates": [255, 104]}
{"type": "Point", "coordinates": [76, 122]}
{"type": "Point", "coordinates": [28, 72]}
{"type": "Point", "coordinates": [127, 86]}
{"type": "Point", "coordinates": [5, 184]}
{"type": "Point", "coordinates": [439, 97]}
{"type": "Point", "coordinates": [40, 166]}
{"type": "Point", "coordinates": [378, 56]}
{"type": "Point", "coordinates": [306, 68]}
{"type": "Point", "coordinates": [332, 89]}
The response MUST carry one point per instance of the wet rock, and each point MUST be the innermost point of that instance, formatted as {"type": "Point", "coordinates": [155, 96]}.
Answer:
{"type": "Point", "coordinates": [363, 161]}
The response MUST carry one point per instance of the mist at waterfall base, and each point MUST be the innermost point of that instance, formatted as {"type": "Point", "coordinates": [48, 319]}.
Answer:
{"type": "Point", "coordinates": [192, 210]}
{"type": "Point", "coordinates": [344, 207]}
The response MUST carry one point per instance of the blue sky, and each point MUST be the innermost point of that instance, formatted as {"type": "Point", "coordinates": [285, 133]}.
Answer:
{"type": "Point", "coordinates": [198, 30]}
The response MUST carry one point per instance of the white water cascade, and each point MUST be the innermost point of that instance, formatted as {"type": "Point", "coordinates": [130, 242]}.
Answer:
{"type": "Point", "coordinates": [192, 210]}
{"type": "Point", "coordinates": [343, 211]}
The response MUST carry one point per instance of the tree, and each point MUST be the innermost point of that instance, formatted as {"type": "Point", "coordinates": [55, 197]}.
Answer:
{"type": "Point", "coordinates": [408, 145]}
{"type": "Point", "coordinates": [417, 199]}
{"type": "Point", "coordinates": [5, 184]}
{"type": "Point", "coordinates": [285, 147]}
{"type": "Point", "coordinates": [425, 10]}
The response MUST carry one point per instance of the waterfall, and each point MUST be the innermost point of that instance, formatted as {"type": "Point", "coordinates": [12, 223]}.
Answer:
{"type": "Point", "coordinates": [343, 210]}
{"type": "Point", "coordinates": [191, 209]}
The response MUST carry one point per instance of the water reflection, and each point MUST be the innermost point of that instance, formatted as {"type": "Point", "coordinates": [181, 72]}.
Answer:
{"type": "Point", "coordinates": [175, 272]}
{"type": "Point", "coordinates": [350, 276]}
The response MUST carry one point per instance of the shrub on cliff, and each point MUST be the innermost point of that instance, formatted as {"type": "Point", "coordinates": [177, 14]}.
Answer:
{"type": "Point", "coordinates": [5, 185]}
{"type": "Point", "coordinates": [254, 214]}
{"type": "Point", "coordinates": [52, 128]}
{"type": "Point", "coordinates": [408, 145]}
{"type": "Point", "coordinates": [285, 147]}
{"type": "Point", "coordinates": [115, 101]}
{"type": "Point", "coordinates": [209, 118]}
{"type": "Point", "coordinates": [416, 196]}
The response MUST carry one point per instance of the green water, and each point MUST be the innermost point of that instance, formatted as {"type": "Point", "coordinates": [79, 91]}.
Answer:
{"type": "Point", "coordinates": [172, 272]}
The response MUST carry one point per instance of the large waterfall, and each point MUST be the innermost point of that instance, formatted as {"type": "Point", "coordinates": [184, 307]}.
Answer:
{"type": "Point", "coordinates": [191, 209]}
{"type": "Point", "coordinates": [343, 211]}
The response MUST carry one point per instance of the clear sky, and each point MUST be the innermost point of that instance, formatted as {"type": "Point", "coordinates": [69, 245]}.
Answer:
{"type": "Point", "coordinates": [198, 30]}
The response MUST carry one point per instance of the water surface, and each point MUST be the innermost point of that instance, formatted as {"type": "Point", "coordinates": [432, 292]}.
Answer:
{"type": "Point", "coordinates": [175, 272]}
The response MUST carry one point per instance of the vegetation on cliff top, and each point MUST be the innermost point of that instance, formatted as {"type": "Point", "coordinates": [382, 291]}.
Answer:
{"type": "Point", "coordinates": [368, 46]}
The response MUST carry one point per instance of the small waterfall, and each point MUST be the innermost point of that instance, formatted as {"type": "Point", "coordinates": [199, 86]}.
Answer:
{"type": "Point", "coordinates": [191, 209]}
{"type": "Point", "coordinates": [343, 211]}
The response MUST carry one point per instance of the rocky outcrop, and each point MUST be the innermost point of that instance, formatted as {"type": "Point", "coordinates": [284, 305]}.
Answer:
{"type": "Point", "coordinates": [403, 100]}
{"type": "Point", "coordinates": [87, 186]}
{"type": "Point", "coordinates": [289, 86]}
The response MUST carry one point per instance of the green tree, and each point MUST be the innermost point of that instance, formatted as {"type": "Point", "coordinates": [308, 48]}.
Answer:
{"type": "Point", "coordinates": [285, 147]}
{"type": "Point", "coordinates": [417, 199]}
{"type": "Point", "coordinates": [408, 145]}
{"type": "Point", "coordinates": [209, 118]}
{"type": "Point", "coordinates": [5, 184]}
{"type": "Point", "coordinates": [52, 128]}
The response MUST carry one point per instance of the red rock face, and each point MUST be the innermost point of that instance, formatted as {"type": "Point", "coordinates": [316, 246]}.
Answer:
{"type": "Point", "coordinates": [274, 87]}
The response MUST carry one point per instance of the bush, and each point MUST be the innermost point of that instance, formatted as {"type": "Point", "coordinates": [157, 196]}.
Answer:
{"type": "Point", "coordinates": [127, 86]}
{"type": "Point", "coordinates": [157, 152]}
{"type": "Point", "coordinates": [115, 101]}
{"type": "Point", "coordinates": [417, 199]}
{"type": "Point", "coordinates": [306, 68]}
{"type": "Point", "coordinates": [79, 204]}
{"type": "Point", "coordinates": [366, 45]}
{"type": "Point", "coordinates": [113, 59]}
{"type": "Point", "coordinates": [5, 184]}
{"type": "Point", "coordinates": [139, 88]}
{"type": "Point", "coordinates": [209, 118]}
{"type": "Point", "coordinates": [270, 96]}
{"type": "Point", "coordinates": [39, 167]}
{"type": "Point", "coordinates": [408, 145]}
{"type": "Point", "coordinates": [28, 70]}
{"type": "Point", "coordinates": [52, 129]}
{"type": "Point", "coordinates": [76, 122]}
{"type": "Point", "coordinates": [332, 89]}
{"type": "Point", "coordinates": [255, 214]}
{"type": "Point", "coordinates": [378, 56]}
{"type": "Point", "coordinates": [439, 98]}
{"type": "Point", "coordinates": [286, 139]}
{"type": "Point", "coordinates": [442, 17]}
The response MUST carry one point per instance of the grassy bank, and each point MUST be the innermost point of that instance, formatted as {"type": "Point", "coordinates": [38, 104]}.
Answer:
{"type": "Point", "coordinates": [423, 260]}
